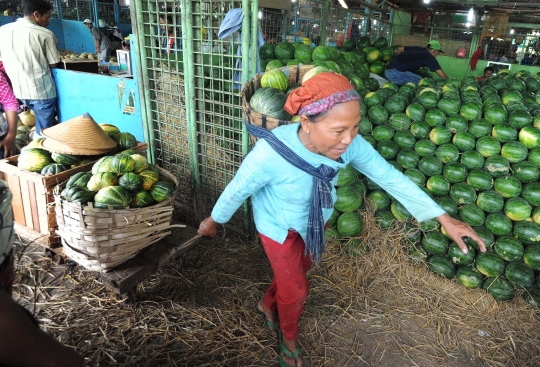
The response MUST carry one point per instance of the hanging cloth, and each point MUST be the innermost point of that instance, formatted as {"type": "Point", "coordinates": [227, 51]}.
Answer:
{"type": "Point", "coordinates": [231, 24]}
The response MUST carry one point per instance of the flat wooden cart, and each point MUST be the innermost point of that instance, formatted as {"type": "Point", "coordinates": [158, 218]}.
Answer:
{"type": "Point", "coordinates": [124, 278]}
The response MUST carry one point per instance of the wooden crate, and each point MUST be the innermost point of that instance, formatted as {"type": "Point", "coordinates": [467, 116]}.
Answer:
{"type": "Point", "coordinates": [33, 200]}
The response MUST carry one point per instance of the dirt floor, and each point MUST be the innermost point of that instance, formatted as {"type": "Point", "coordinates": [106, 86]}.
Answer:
{"type": "Point", "coordinates": [376, 309]}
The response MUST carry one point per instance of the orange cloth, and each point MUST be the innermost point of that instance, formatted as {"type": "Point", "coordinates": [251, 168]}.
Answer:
{"type": "Point", "coordinates": [316, 88]}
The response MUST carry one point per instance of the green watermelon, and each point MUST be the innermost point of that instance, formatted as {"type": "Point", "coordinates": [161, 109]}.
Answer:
{"type": "Point", "coordinates": [440, 135]}
{"type": "Point", "coordinates": [162, 190]}
{"type": "Point", "coordinates": [404, 139]}
{"type": "Point", "coordinates": [447, 153]}
{"type": "Point", "coordinates": [472, 215]}
{"type": "Point", "coordinates": [479, 180]}
{"type": "Point", "coordinates": [517, 209]}
{"type": "Point", "coordinates": [125, 141]}
{"type": "Point", "coordinates": [500, 288]}
{"type": "Point", "coordinates": [490, 264]}
{"type": "Point", "coordinates": [530, 137]}
{"type": "Point", "coordinates": [442, 266]}
{"type": "Point", "coordinates": [142, 199]}
{"type": "Point", "coordinates": [270, 102]}
{"type": "Point", "coordinates": [479, 128]}
{"type": "Point", "coordinates": [350, 224]}
{"type": "Point", "coordinates": [435, 243]}
{"type": "Point", "coordinates": [114, 196]}
{"type": "Point", "coordinates": [79, 180]}
{"type": "Point", "coordinates": [469, 277]}
{"type": "Point", "coordinates": [458, 257]}
{"type": "Point", "coordinates": [455, 172]}
{"type": "Point", "coordinates": [34, 159]}
{"type": "Point", "coordinates": [508, 186]}
{"type": "Point", "coordinates": [53, 169]}
{"type": "Point", "coordinates": [509, 248]}
{"type": "Point", "coordinates": [504, 133]}
{"type": "Point", "coordinates": [526, 172]}
{"type": "Point", "coordinates": [415, 111]}
{"type": "Point", "coordinates": [346, 175]}
{"type": "Point", "coordinates": [399, 211]}
{"type": "Point", "coordinates": [472, 160]}
{"type": "Point", "coordinates": [275, 78]}
{"type": "Point", "coordinates": [448, 205]}
{"type": "Point", "coordinates": [527, 232]}
{"type": "Point", "coordinates": [463, 193]}
{"type": "Point", "coordinates": [388, 149]}
{"type": "Point", "coordinates": [79, 195]}
{"type": "Point", "coordinates": [514, 151]}
{"type": "Point", "coordinates": [519, 274]}
{"type": "Point", "coordinates": [378, 199]}
{"type": "Point", "coordinates": [284, 50]}
{"type": "Point", "coordinates": [435, 117]}
{"type": "Point", "coordinates": [497, 166]}
{"type": "Point", "coordinates": [456, 123]}
{"type": "Point", "coordinates": [531, 257]}
{"type": "Point", "coordinates": [67, 160]}
{"type": "Point", "coordinates": [420, 130]}
{"type": "Point", "coordinates": [490, 201]}
{"type": "Point", "coordinates": [499, 224]}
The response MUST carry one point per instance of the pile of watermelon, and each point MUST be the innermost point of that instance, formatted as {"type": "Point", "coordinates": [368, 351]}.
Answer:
{"type": "Point", "coordinates": [270, 99]}
{"type": "Point", "coordinates": [39, 160]}
{"type": "Point", "coordinates": [475, 149]}
{"type": "Point", "coordinates": [120, 181]}
{"type": "Point", "coordinates": [355, 60]}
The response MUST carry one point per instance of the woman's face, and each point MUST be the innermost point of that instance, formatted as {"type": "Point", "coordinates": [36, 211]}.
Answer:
{"type": "Point", "coordinates": [332, 135]}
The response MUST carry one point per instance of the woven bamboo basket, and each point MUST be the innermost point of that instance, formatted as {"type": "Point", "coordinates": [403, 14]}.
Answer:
{"type": "Point", "coordinates": [295, 74]}
{"type": "Point", "coordinates": [100, 239]}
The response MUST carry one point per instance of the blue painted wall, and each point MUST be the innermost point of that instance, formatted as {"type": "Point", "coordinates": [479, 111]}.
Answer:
{"type": "Point", "coordinates": [77, 37]}
{"type": "Point", "coordinates": [99, 96]}
{"type": "Point", "coordinates": [73, 35]}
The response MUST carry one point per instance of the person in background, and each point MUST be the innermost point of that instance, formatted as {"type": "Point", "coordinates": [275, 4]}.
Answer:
{"type": "Point", "coordinates": [28, 59]}
{"type": "Point", "coordinates": [291, 175]}
{"type": "Point", "coordinates": [163, 33]}
{"type": "Point", "coordinates": [174, 43]}
{"type": "Point", "coordinates": [103, 44]}
{"type": "Point", "coordinates": [502, 57]}
{"type": "Point", "coordinates": [114, 35]}
{"type": "Point", "coordinates": [9, 105]}
{"type": "Point", "coordinates": [527, 60]}
{"type": "Point", "coordinates": [488, 73]}
{"type": "Point", "coordinates": [22, 342]}
{"type": "Point", "coordinates": [401, 68]}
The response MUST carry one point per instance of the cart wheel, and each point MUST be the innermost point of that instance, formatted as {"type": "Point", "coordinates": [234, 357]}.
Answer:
{"type": "Point", "coordinates": [130, 296]}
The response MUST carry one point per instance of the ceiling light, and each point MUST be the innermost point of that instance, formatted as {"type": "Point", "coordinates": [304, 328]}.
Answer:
{"type": "Point", "coordinates": [468, 24]}
{"type": "Point", "coordinates": [260, 14]}
{"type": "Point", "coordinates": [374, 22]}
{"type": "Point", "coordinates": [343, 4]}
{"type": "Point", "coordinates": [426, 1]}
{"type": "Point", "coordinates": [511, 31]}
{"type": "Point", "coordinates": [470, 15]}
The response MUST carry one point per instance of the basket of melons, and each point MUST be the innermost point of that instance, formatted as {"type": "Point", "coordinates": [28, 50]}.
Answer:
{"type": "Point", "coordinates": [109, 214]}
{"type": "Point", "coordinates": [264, 96]}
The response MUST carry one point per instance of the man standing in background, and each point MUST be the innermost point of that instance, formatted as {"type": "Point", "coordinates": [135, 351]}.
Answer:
{"type": "Point", "coordinates": [104, 46]}
{"type": "Point", "coordinates": [29, 51]}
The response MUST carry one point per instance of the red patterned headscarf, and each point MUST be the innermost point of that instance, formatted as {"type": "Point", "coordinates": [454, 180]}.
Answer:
{"type": "Point", "coordinates": [320, 93]}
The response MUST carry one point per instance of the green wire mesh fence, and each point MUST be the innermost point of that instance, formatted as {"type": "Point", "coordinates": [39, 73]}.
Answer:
{"type": "Point", "coordinates": [193, 104]}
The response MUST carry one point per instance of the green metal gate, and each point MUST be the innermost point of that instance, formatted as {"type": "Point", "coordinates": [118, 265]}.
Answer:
{"type": "Point", "coordinates": [192, 108]}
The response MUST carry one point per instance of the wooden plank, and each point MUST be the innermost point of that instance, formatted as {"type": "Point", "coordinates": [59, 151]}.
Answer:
{"type": "Point", "coordinates": [33, 206]}
{"type": "Point", "coordinates": [33, 236]}
{"type": "Point", "coordinates": [17, 204]}
{"type": "Point", "coordinates": [26, 202]}
{"type": "Point", "coordinates": [126, 276]}
{"type": "Point", "coordinates": [42, 209]}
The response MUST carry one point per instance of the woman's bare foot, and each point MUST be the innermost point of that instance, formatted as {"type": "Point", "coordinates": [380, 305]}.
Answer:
{"type": "Point", "coordinates": [271, 319]}
{"type": "Point", "coordinates": [292, 347]}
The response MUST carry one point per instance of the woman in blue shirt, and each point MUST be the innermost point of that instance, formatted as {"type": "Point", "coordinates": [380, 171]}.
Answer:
{"type": "Point", "coordinates": [290, 175]}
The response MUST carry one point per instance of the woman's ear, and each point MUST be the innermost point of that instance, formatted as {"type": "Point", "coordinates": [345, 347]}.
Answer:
{"type": "Point", "coordinates": [305, 123]}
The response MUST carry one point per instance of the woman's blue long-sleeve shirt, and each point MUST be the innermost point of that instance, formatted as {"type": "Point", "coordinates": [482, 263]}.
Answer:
{"type": "Point", "coordinates": [281, 193]}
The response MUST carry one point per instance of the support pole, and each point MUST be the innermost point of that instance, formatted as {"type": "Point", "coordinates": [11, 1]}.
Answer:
{"type": "Point", "coordinates": [142, 71]}
{"type": "Point", "coordinates": [324, 21]}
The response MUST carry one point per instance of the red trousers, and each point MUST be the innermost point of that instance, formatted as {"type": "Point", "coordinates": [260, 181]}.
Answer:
{"type": "Point", "coordinates": [290, 286]}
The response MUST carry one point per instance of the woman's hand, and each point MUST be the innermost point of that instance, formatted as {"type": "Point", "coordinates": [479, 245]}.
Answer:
{"type": "Point", "coordinates": [208, 227]}
{"type": "Point", "coordinates": [457, 229]}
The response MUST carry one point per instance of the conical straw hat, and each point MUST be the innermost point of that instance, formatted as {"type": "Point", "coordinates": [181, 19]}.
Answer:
{"type": "Point", "coordinates": [80, 132]}
{"type": "Point", "coordinates": [56, 146]}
